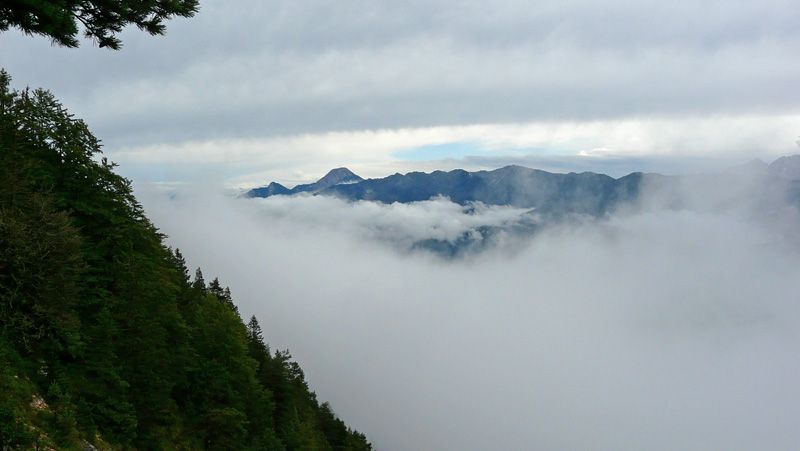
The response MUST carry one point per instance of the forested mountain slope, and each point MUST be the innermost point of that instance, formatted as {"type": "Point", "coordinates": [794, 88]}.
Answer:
{"type": "Point", "coordinates": [105, 338]}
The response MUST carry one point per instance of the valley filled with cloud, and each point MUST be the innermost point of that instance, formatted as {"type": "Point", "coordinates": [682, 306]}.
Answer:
{"type": "Point", "coordinates": [665, 321]}
{"type": "Point", "coordinates": [671, 324]}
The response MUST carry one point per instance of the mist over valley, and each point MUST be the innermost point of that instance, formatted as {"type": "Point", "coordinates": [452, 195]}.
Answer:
{"type": "Point", "coordinates": [668, 321]}
{"type": "Point", "coordinates": [427, 225]}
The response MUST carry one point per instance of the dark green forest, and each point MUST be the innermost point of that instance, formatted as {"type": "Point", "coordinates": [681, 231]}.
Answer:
{"type": "Point", "coordinates": [106, 339]}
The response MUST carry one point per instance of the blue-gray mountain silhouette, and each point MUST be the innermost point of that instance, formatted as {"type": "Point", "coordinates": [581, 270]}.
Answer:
{"type": "Point", "coordinates": [585, 193]}
{"type": "Point", "coordinates": [332, 178]}
{"type": "Point", "coordinates": [553, 197]}
{"type": "Point", "coordinates": [517, 186]}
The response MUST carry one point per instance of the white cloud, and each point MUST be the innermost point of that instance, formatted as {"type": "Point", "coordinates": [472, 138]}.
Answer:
{"type": "Point", "coordinates": [662, 329]}
{"type": "Point", "coordinates": [672, 142]}
{"type": "Point", "coordinates": [668, 329]}
{"type": "Point", "coordinates": [397, 224]}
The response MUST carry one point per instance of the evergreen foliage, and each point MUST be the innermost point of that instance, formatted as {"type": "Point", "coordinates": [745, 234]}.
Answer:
{"type": "Point", "coordinates": [101, 20]}
{"type": "Point", "coordinates": [102, 327]}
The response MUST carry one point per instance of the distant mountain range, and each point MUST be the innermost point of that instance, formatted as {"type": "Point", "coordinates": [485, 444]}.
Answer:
{"type": "Point", "coordinates": [512, 185]}
{"type": "Point", "coordinates": [546, 192]}
{"type": "Point", "coordinates": [758, 188]}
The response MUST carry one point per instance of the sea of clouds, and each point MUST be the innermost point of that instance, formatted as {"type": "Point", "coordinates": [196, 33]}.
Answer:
{"type": "Point", "coordinates": [672, 325]}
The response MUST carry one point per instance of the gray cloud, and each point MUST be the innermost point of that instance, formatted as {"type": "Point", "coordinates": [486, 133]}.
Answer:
{"type": "Point", "coordinates": [267, 68]}
{"type": "Point", "coordinates": [656, 329]}
{"type": "Point", "coordinates": [667, 329]}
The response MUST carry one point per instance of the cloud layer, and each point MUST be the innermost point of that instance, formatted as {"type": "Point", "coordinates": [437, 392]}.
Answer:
{"type": "Point", "coordinates": [666, 329]}
{"type": "Point", "coordinates": [614, 147]}
{"type": "Point", "coordinates": [273, 91]}
{"type": "Point", "coordinates": [270, 68]}
{"type": "Point", "coordinates": [660, 329]}
{"type": "Point", "coordinates": [397, 225]}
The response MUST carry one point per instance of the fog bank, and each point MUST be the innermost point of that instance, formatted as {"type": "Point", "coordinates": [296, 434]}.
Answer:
{"type": "Point", "coordinates": [655, 329]}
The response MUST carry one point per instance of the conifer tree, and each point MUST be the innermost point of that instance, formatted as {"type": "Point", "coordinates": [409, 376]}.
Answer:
{"type": "Point", "coordinates": [180, 265]}
{"type": "Point", "coordinates": [100, 20]}
{"type": "Point", "coordinates": [215, 288]}
{"type": "Point", "coordinates": [199, 283]}
{"type": "Point", "coordinates": [100, 320]}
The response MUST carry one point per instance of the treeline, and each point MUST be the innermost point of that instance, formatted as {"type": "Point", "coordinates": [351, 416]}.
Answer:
{"type": "Point", "coordinates": [105, 337]}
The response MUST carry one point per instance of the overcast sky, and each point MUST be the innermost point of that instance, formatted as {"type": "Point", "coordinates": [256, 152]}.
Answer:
{"type": "Point", "coordinates": [257, 90]}
{"type": "Point", "coordinates": [655, 330]}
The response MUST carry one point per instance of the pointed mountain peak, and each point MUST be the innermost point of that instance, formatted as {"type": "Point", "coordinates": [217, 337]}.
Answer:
{"type": "Point", "coordinates": [786, 167]}
{"type": "Point", "coordinates": [340, 174]}
{"type": "Point", "coordinates": [337, 176]}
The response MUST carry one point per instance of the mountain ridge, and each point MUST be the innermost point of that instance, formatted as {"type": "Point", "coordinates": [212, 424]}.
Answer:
{"type": "Point", "coordinates": [333, 177]}
{"type": "Point", "coordinates": [513, 185]}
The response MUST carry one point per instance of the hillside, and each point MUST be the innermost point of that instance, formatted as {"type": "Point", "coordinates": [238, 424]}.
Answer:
{"type": "Point", "coordinates": [105, 339]}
